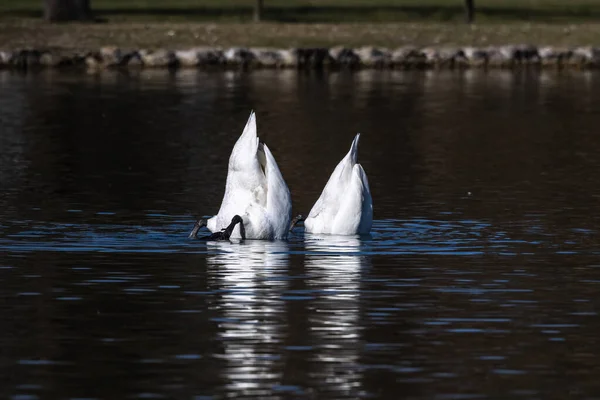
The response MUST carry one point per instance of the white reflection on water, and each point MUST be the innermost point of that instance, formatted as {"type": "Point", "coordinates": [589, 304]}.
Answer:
{"type": "Point", "coordinates": [335, 264]}
{"type": "Point", "coordinates": [251, 313]}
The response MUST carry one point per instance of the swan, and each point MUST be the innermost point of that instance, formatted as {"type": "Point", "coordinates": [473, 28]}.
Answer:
{"type": "Point", "coordinates": [257, 202]}
{"type": "Point", "coordinates": [345, 206]}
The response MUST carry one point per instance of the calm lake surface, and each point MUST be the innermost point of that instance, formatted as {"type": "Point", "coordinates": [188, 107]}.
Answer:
{"type": "Point", "coordinates": [480, 279]}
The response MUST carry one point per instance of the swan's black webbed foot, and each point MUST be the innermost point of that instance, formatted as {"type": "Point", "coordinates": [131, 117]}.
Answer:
{"type": "Point", "coordinates": [224, 234]}
{"type": "Point", "coordinates": [199, 224]}
{"type": "Point", "coordinates": [296, 219]}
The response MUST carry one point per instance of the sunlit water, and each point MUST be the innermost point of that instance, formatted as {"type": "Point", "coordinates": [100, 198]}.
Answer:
{"type": "Point", "coordinates": [480, 278]}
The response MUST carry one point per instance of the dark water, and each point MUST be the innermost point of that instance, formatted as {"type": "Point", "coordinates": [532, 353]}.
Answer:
{"type": "Point", "coordinates": [481, 277]}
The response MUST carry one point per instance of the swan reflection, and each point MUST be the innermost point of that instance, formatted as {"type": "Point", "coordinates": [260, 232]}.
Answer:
{"type": "Point", "coordinates": [250, 310]}
{"type": "Point", "coordinates": [334, 264]}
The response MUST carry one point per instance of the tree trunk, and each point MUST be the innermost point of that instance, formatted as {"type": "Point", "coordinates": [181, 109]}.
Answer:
{"type": "Point", "coordinates": [470, 9]}
{"type": "Point", "coordinates": [67, 10]}
{"type": "Point", "coordinates": [258, 9]}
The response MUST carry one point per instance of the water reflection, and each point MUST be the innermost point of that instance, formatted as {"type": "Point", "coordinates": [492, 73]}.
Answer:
{"type": "Point", "coordinates": [13, 103]}
{"type": "Point", "coordinates": [335, 265]}
{"type": "Point", "coordinates": [484, 273]}
{"type": "Point", "coordinates": [248, 279]}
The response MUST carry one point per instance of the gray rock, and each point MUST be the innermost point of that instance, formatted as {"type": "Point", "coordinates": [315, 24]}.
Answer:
{"type": "Point", "coordinates": [408, 56]}
{"type": "Point", "coordinates": [367, 56]}
{"type": "Point", "coordinates": [289, 58]}
{"type": "Point", "coordinates": [373, 57]}
{"type": "Point", "coordinates": [26, 58]}
{"type": "Point", "coordinates": [527, 53]}
{"type": "Point", "coordinates": [585, 56]}
{"type": "Point", "coordinates": [554, 55]}
{"type": "Point", "coordinates": [476, 57]}
{"type": "Point", "coordinates": [444, 56]}
{"type": "Point", "coordinates": [57, 59]}
{"type": "Point", "coordinates": [210, 56]}
{"type": "Point", "coordinates": [48, 59]}
{"type": "Point", "coordinates": [266, 57]}
{"type": "Point", "coordinates": [93, 61]}
{"type": "Point", "coordinates": [513, 54]}
{"type": "Point", "coordinates": [501, 56]}
{"type": "Point", "coordinates": [238, 56]}
{"type": "Point", "coordinates": [314, 57]}
{"type": "Point", "coordinates": [158, 58]}
{"type": "Point", "coordinates": [187, 58]}
{"type": "Point", "coordinates": [343, 56]}
{"type": "Point", "coordinates": [110, 56]}
{"type": "Point", "coordinates": [5, 57]}
{"type": "Point", "coordinates": [431, 55]}
{"type": "Point", "coordinates": [200, 56]}
{"type": "Point", "coordinates": [133, 59]}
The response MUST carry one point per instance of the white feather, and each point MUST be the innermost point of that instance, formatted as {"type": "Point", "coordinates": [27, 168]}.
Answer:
{"type": "Point", "coordinates": [345, 206]}
{"type": "Point", "coordinates": [255, 190]}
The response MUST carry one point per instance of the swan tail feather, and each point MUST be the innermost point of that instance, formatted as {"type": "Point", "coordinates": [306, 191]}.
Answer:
{"type": "Point", "coordinates": [324, 212]}
{"type": "Point", "coordinates": [246, 147]}
{"type": "Point", "coordinates": [354, 149]}
{"type": "Point", "coordinates": [366, 218]}
{"type": "Point", "coordinates": [250, 127]}
{"type": "Point", "coordinates": [279, 200]}
{"type": "Point", "coordinates": [349, 211]}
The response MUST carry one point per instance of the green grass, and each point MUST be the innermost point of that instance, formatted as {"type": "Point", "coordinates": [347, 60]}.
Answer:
{"type": "Point", "coordinates": [341, 11]}
{"type": "Point", "coordinates": [390, 23]}
{"type": "Point", "coordinates": [180, 35]}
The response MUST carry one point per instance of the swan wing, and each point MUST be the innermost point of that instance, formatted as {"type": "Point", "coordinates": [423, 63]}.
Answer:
{"type": "Point", "coordinates": [246, 183]}
{"type": "Point", "coordinates": [269, 219]}
{"type": "Point", "coordinates": [279, 200]}
{"type": "Point", "coordinates": [366, 217]}
{"type": "Point", "coordinates": [355, 214]}
{"type": "Point", "coordinates": [244, 156]}
{"type": "Point", "coordinates": [322, 215]}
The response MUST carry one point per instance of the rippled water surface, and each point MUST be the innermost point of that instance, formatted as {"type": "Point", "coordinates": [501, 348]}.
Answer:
{"type": "Point", "coordinates": [480, 278]}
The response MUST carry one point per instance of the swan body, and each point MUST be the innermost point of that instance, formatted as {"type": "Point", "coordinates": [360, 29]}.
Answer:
{"type": "Point", "coordinates": [345, 206]}
{"type": "Point", "coordinates": [255, 190]}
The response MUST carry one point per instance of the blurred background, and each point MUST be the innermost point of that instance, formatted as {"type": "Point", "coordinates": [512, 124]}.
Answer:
{"type": "Point", "coordinates": [311, 10]}
{"type": "Point", "coordinates": [479, 279]}
{"type": "Point", "coordinates": [285, 23]}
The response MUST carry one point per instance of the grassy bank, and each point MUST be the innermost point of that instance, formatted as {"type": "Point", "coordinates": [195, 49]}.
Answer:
{"type": "Point", "coordinates": [25, 33]}
{"type": "Point", "coordinates": [389, 23]}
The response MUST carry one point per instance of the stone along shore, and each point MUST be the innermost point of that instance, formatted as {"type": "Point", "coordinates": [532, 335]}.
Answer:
{"type": "Point", "coordinates": [509, 56]}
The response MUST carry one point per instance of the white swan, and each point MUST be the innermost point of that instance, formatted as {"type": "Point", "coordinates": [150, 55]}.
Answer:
{"type": "Point", "coordinates": [345, 206]}
{"type": "Point", "coordinates": [257, 202]}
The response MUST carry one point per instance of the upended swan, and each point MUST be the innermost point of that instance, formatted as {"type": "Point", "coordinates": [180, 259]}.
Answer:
{"type": "Point", "coordinates": [345, 206]}
{"type": "Point", "coordinates": [257, 202]}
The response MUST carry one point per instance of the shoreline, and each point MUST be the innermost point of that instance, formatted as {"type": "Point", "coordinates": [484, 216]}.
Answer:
{"type": "Point", "coordinates": [365, 57]}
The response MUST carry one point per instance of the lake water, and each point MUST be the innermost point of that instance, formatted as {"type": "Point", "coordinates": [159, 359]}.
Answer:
{"type": "Point", "coordinates": [481, 277]}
